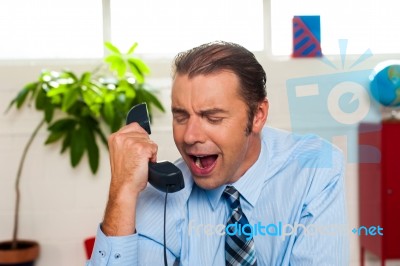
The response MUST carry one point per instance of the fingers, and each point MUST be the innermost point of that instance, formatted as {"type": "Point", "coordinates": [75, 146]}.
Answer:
{"type": "Point", "coordinates": [132, 127]}
{"type": "Point", "coordinates": [133, 139]}
{"type": "Point", "coordinates": [153, 158]}
{"type": "Point", "coordinates": [133, 130]}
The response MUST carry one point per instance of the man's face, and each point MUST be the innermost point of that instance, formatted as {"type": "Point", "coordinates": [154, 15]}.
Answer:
{"type": "Point", "coordinates": [209, 127]}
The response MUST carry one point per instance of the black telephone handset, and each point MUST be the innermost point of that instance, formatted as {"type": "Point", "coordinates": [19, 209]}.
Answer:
{"type": "Point", "coordinates": [163, 175]}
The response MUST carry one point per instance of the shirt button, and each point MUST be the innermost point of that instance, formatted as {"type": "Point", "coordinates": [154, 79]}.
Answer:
{"type": "Point", "coordinates": [117, 256]}
{"type": "Point", "coordinates": [102, 253]}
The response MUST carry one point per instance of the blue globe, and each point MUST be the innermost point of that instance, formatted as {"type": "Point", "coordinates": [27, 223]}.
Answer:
{"type": "Point", "coordinates": [385, 83]}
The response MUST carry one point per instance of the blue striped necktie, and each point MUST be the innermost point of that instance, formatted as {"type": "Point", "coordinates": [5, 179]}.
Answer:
{"type": "Point", "coordinates": [239, 250]}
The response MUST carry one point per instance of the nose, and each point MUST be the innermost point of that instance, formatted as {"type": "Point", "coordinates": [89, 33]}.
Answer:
{"type": "Point", "coordinates": [194, 132]}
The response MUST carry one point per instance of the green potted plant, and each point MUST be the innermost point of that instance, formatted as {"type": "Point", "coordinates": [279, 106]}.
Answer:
{"type": "Point", "coordinates": [74, 107]}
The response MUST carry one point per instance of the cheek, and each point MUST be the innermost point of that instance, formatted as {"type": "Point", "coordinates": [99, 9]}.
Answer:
{"type": "Point", "coordinates": [177, 134]}
{"type": "Point", "coordinates": [233, 145]}
{"type": "Point", "coordinates": [238, 148]}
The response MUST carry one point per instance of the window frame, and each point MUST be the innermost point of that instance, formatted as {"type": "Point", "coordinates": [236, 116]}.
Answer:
{"type": "Point", "coordinates": [163, 61]}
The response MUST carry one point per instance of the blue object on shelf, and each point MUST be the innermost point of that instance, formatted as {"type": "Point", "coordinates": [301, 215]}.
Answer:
{"type": "Point", "coordinates": [306, 36]}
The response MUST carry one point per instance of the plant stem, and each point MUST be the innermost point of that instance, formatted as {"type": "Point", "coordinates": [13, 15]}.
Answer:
{"type": "Point", "coordinates": [17, 182]}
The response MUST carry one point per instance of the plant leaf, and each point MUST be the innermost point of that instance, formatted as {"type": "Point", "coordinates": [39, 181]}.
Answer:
{"type": "Point", "coordinates": [91, 147]}
{"type": "Point", "coordinates": [40, 100]}
{"type": "Point", "coordinates": [56, 91]}
{"type": "Point", "coordinates": [48, 112]}
{"type": "Point", "coordinates": [132, 49]}
{"type": "Point", "coordinates": [64, 124]}
{"type": "Point", "coordinates": [143, 68]}
{"type": "Point", "coordinates": [150, 97]}
{"type": "Point", "coordinates": [77, 146]}
{"type": "Point", "coordinates": [117, 64]}
{"type": "Point", "coordinates": [54, 136]}
{"type": "Point", "coordinates": [103, 137]}
{"type": "Point", "coordinates": [116, 124]}
{"type": "Point", "coordinates": [136, 72]}
{"type": "Point", "coordinates": [85, 79]}
{"type": "Point", "coordinates": [70, 99]}
{"type": "Point", "coordinates": [66, 142]}
{"type": "Point", "coordinates": [111, 47]}
{"type": "Point", "coordinates": [36, 86]}
{"type": "Point", "coordinates": [93, 98]}
{"type": "Point", "coordinates": [109, 112]}
{"type": "Point", "coordinates": [70, 75]}
{"type": "Point", "coordinates": [56, 100]}
{"type": "Point", "coordinates": [127, 89]}
{"type": "Point", "coordinates": [21, 96]}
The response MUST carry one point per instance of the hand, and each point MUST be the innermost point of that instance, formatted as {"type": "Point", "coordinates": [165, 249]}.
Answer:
{"type": "Point", "coordinates": [130, 152]}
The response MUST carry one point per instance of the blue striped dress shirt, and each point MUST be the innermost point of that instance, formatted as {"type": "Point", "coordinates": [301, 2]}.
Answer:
{"type": "Point", "coordinates": [293, 197]}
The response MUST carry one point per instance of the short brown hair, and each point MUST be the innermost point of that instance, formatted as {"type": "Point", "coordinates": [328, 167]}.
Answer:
{"type": "Point", "coordinates": [218, 56]}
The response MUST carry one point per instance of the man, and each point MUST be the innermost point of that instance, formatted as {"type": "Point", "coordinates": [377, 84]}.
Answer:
{"type": "Point", "coordinates": [239, 175]}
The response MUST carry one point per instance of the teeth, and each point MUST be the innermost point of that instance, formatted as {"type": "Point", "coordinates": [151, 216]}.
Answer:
{"type": "Point", "coordinates": [198, 162]}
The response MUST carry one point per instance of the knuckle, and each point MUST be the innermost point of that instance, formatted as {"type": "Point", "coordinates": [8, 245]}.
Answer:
{"type": "Point", "coordinates": [135, 126]}
{"type": "Point", "coordinates": [111, 138]}
{"type": "Point", "coordinates": [114, 137]}
{"type": "Point", "coordinates": [155, 146]}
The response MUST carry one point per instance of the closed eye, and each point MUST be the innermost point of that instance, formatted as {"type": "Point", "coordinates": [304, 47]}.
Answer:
{"type": "Point", "coordinates": [179, 115]}
{"type": "Point", "coordinates": [180, 118]}
{"type": "Point", "coordinates": [214, 120]}
{"type": "Point", "coordinates": [214, 115]}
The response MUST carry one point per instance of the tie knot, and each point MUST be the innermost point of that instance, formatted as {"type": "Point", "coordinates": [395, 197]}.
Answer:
{"type": "Point", "coordinates": [232, 196]}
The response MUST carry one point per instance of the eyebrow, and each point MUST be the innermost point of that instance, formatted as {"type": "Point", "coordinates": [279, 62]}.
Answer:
{"type": "Point", "coordinates": [212, 111]}
{"type": "Point", "coordinates": [178, 110]}
{"type": "Point", "coordinates": [207, 112]}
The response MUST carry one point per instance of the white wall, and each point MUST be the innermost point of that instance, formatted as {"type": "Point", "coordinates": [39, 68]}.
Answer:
{"type": "Point", "coordinates": [62, 206]}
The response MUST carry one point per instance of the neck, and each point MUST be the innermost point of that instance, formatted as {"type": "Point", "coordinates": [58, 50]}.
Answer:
{"type": "Point", "coordinates": [252, 154]}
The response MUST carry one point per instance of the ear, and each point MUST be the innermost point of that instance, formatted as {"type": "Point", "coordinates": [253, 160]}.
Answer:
{"type": "Point", "coordinates": [260, 117]}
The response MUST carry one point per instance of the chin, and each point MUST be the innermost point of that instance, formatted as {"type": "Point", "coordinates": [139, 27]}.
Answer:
{"type": "Point", "coordinates": [206, 183]}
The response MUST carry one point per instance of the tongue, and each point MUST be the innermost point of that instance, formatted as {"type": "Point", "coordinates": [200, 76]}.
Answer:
{"type": "Point", "coordinates": [207, 161]}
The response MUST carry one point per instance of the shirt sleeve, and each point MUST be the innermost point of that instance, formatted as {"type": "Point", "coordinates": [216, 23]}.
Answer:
{"type": "Point", "coordinates": [121, 250]}
{"type": "Point", "coordinates": [127, 250]}
{"type": "Point", "coordinates": [324, 238]}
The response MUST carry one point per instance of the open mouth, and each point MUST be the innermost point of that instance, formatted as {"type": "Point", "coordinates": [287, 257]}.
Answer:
{"type": "Point", "coordinates": [204, 161]}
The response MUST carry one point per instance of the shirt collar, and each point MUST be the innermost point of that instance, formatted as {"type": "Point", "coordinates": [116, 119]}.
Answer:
{"type": "Point", "coordinates": [249, 185]}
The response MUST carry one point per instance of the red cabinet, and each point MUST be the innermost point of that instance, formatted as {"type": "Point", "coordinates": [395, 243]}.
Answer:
{"type": "Point", "coordinates": [379, 188]}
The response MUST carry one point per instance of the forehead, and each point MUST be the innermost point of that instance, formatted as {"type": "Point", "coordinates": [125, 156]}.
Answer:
{"type": "Point", "coordinates": [211, 87]}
